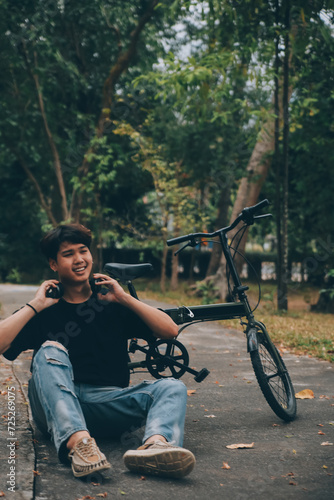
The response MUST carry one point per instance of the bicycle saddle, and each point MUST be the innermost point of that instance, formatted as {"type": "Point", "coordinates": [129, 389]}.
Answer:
{"type": "Point", "coordinates": [127, 272]}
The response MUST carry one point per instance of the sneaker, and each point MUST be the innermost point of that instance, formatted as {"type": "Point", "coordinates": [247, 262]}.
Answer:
{"type": "Point", "coordinates": [161, 459]}
{"type": "Point", "coordinates": [86, 458]}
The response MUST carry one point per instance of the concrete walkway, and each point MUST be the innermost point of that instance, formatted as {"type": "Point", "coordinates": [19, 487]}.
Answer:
{"type": "Point", "coordinates": [288, 460]}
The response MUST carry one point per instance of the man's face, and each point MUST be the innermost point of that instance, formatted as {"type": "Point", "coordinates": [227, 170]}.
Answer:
{"type": "Point", "coordinates": [74, 262]}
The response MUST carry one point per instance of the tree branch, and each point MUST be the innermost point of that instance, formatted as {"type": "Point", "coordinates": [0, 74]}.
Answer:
{"type": "Point", "coordinates": [124, 58]}
{"type": "Point", "coordinates": [38, 189]}
{"type": "Point", "coordinates": [56, 159]}
{"type": "Point", "coordinates": [53, 147]}
{"type": "Point", "coordinates": [122, 63]}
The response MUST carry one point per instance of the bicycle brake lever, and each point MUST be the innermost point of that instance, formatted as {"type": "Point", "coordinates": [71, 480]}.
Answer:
{"type": "Point", "coordinates": [182, 248]}
{"type": "Point", "coordinates": [262, 216]}
{"type": "Point", "coordinates": [191, 243]}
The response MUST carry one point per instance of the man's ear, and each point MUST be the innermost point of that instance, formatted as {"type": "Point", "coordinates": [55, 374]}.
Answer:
{"type": "Point", "coordinates": [53, 264]}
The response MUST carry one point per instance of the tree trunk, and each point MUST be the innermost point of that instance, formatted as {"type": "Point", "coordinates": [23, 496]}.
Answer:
{"type": "Point", "coordinates": [175, 272]}
{"type": "Point", "coordinates": [248, 193]}
{"type": "Point", "coordinates": [163, 269]}
{"type": "Point", "coordinates": [277, 161]}
{"type": "Point", "coordinates": [221, 221]}
{"type": "Point", "coordinates": [283, 277]}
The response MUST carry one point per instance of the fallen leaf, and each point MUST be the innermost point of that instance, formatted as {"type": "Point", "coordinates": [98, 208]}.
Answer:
{"type": "Point", "coordinates": [210, 416]}
{"type": "Point", "coordinates": [142, 478]}
{"type": "Point", "coordinates": [305, 394]}
{"type": "Point", "coordinates": [103, 495]}
{"type": "Point", "coordinates": [239, 446]}
{"type": "Point", "coordinates": [323, 397]}
{"type": "Point", "coordinates": [324, 467]}
{"type": "Point", "coordinates": [225, 466]}
{"type": "Point", "coordinates": [191, 391]}
{"type": "Point", "coordinates": [321, 433]}
{"type": "Point", "coordinates": [326, 443]}
{"type": "Point", "coordinates": [2, 494]}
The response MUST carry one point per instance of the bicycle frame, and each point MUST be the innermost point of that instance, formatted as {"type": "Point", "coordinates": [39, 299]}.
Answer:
{"type": "Point", "coordinates": [224, 311]}
{"type": "Point", "coordinates": [186, 315]}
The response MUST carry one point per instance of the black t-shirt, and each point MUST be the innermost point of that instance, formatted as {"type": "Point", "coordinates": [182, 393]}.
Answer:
{"type": "Point", "coordinates": [95, 334]}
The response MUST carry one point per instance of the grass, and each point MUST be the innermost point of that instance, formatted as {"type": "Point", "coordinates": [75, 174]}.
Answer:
{"type": "Point", "coordinates": [298, 330]}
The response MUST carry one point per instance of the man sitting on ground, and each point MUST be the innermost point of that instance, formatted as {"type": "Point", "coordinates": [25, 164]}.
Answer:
{"type": "Point", "coordinates": [79, 385]}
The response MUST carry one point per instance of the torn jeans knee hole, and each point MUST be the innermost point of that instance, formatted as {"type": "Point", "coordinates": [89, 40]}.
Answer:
{"type": "Point", "coordinates": [66, 389]}
{"type": "Point", "coordinates": [53, 343]}
{"type": "Point", "coordinates": [54, 361]}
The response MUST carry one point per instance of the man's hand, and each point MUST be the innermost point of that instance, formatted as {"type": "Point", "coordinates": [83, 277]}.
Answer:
{"type": "Point", "coordinates": [12, 325]}
{"type": "Point", "coordinates": [41, 301]}
{"type": "Point", "coordinates": [115, 293]}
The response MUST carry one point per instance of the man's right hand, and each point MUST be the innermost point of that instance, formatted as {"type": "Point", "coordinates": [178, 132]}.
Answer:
{"type": "Point", "coordinates": [41, 301]}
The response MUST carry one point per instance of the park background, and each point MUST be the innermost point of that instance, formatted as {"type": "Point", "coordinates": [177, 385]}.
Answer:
{"type": "Point", "coordinates": [146, 120]}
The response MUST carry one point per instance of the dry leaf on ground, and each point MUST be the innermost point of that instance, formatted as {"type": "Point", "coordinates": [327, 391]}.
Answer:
{"type": "Point", "coordinates": [326, 443]}
{"type": "Point", "coordinates": [225, 466]}
{"type": "Point", "coordinates": [239, 446]}
{"type": "Point", "coordinates": [305, 394]}
{"type": "Point", "coordinates": [191, 391]}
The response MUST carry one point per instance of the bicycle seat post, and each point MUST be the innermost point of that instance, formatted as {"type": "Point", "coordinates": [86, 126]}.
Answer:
{"type": "Point", "coordinates": [132, 289]}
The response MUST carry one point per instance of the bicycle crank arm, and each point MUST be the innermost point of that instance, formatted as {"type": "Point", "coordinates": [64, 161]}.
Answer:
{"type": "Point", "coordinates": [199, 375]}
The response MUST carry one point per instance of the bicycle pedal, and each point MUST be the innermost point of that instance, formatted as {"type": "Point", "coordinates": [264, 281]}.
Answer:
{"type": "Point", "coordinates": [201, 375]}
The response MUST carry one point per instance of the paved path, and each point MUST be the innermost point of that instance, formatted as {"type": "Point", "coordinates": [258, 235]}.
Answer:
{"type": "Point", "coordinates": [287, 461]}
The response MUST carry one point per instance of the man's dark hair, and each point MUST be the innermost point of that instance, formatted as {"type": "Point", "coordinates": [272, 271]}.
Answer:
{"type": "Point", "coordinates": [73, 233]}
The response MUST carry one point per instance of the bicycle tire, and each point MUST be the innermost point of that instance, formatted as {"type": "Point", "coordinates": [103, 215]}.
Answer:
{"type": "Point", "coordinates": [276, 387]}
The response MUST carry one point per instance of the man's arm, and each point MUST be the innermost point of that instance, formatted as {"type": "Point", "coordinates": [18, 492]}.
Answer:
{"type": "Point", "coordinates": [11, 326]}
{"type": "Point", "coordinates": [161, 325]}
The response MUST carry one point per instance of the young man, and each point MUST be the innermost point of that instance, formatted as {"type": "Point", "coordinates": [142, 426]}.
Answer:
{"type": "Point", "coordinates": [79, 386]}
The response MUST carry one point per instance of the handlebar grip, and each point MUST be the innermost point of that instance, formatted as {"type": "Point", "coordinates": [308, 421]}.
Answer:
{"type": "Point", "coordinates": [256, 208]}
{"type": "Point", "coordinates": [179, 239]}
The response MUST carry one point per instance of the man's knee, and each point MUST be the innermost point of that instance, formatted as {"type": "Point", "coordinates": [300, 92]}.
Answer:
{"type": "Point", "coordinates": [173, 386]}
{"type": "Point", "coordinates": [51, 356]}
{"type": "Point", "coordinates": [55, 344]}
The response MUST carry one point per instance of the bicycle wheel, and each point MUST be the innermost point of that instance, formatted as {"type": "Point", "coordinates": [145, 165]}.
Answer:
{"type": "Point", "coordinates": [275, 382]}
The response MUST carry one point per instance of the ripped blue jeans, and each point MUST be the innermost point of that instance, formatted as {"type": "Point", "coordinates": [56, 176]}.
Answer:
{"type": "Point", "coordinates": [61, 406]}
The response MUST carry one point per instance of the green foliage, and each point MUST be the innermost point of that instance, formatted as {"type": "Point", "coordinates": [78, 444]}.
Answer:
{"type": "Point", "coordinates": [180, 126]}
{"type": "Point", "coordinates": [207, 291]}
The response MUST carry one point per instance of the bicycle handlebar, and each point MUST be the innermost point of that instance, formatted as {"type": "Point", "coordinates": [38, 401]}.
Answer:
{"type": "Point", "coordinates": [247, 215]}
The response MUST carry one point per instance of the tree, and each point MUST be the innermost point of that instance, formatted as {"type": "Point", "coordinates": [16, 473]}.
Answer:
{"type": "Point", "coordinates": [250, 186]}
{"type": "Point", "coordinates": [66, 76]}
{"type": "Point", "coordinates": [62, 66]}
